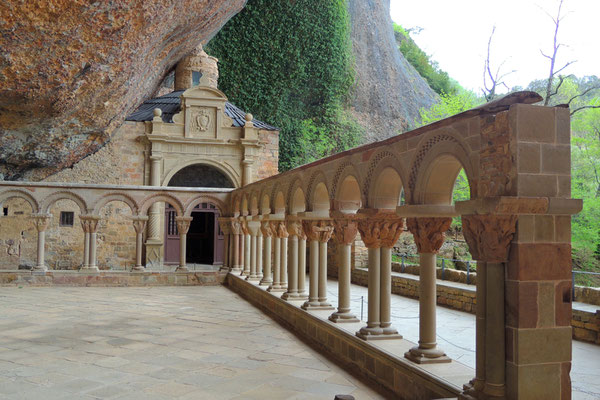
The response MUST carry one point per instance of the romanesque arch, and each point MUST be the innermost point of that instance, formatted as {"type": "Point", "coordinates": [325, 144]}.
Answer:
{"type": "Point", "coordinates": [104, 200]}
{"type": "Point", "coordinates": [20, 194]}
{"type": "Point", "coordinates": [202, 172]}
{"type": "Point", "coordinates": [54, 197]}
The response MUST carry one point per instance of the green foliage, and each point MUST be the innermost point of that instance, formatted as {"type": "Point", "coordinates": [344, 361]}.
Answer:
{"type": "Point", "coordinates": [437, 79]}
{"type": "Point", "coordinates": [449, 105]}
{"type": "Point", "coordinates": [290, 64]}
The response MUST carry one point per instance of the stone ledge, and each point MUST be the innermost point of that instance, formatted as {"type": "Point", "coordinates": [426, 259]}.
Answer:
{"type": "Point", "coordinates": [382, 363]}
{"type": "Point", "coordinates": [110, 278]}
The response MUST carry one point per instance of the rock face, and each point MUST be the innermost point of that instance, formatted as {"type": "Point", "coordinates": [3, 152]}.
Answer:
{"type": "Point", "coordinates": [389, 91]}
{"type": "Point", "coordinates": [71, 71]}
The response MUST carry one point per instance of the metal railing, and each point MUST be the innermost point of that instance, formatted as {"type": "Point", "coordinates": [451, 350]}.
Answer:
{"type": "Point", "coordinates": [403, 258]}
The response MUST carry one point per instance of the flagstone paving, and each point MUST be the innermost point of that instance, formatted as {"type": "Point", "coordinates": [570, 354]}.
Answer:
{"type": "Point", "coordinates": [155, 343]}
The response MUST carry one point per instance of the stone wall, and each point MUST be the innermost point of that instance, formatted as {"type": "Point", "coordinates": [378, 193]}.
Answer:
{"type": "Point", "coordinates": [589, 295]}
{"type": "Point", "coordinates": [268, 155]}
{"type": "Point", "coordinates": [586, 326]}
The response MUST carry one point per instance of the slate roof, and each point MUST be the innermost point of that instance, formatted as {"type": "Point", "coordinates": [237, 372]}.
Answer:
{"type": "Point", "coordinates": [170, 105]}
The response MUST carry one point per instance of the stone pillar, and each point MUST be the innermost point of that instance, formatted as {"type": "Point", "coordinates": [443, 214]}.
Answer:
{"type": "Point", "coordinates": [489, 237]}
{"type": "Point", "coordinates": [139, 224]}
{"type": "Point", "coordinates": [236, 231]}
{"type": "Point", "coordinates": [293, 227]}
{"type": "Point", "coordinates": [283, 259]}
{"type": "Point", "coordinates": [267, 232]}
{"type": "Point", "coordinates": [247, 171]}
{"type": "Point", "coordinates": [89, 223]}
{"type": "Point", "coordinates": [259, 253]}
{"type": "Point", "coordinates": [253, 229]}
{"type": "Point", "coordinates": [86, 243]}
{"type": "Point", "coordinates": [429, 235]}
{"type": "Point", "coordinates": [154, 241]}
{"type": "Point", "coordinates": [318, 232]}
{"type": "Point", "coordinates": [302, 295]}
{"type": "Point", "coordinates": [183, 225]}
{"type": "Point", "coordinates": [225, 225]}
{"type": "Point", "coordinates": [247, 248]}
{"type": "Point", "coordinates": [41, 222]}
{"type": "Point", "coordinates": [313, 288]}
{"type": "Point", "coordinates": [345, 230]}
{"type": "Point", "coordinates": [276, 285]}
{"type": "Point", "coordinates": [379, 232]}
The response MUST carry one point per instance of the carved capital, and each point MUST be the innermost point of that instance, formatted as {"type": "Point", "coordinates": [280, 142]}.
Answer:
{"type": "Point", "coordinates": [266, 228]}
{"type": "Point", "coordinates": [183, 224]}
{"type": "Point", "coordinates": [429, 233]}
{"type": "Point", "coordinates": [41, 221]}
{"type": "Point", "coordinates": [320, 230]}
{"type": "Point", "coordinates": [294, 228]}
{"type": "Point", "coordinates": [236, 227]}
{"type": "Point", "coordinates": [381, 231]}
{"type": "Point", "coordinates": [345, 230]}
{"type": "Point", "coordinates": [225, 225]}
{"type": "Point", "coordinates": [489, 236]}
{"type": "Point", "coordinates": [282, 231]}
{"type": "Point", "coordinates": [139, 223]}
{"type": "Point", "coordinates": [89, 223]}
{"type": "Point", "coordinates": [244, 228]}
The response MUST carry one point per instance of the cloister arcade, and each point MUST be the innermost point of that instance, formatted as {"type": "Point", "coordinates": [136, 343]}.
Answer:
{"type": "Point", "coordinates": [517, 225]}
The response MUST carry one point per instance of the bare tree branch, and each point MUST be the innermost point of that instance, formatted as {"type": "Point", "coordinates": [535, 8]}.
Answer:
{"type": "Point", "coordinates": [552, 58]}
{"type": "Point", "coordinates": [586, 91]}
{"type": "Point", "coordinates": [491, 80]}
{"type": "Point", "coordinates": [583, 108]}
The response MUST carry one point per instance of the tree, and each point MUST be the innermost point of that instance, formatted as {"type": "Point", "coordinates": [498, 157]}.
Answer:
{"type": "Point", "coordinates": [492, 80]}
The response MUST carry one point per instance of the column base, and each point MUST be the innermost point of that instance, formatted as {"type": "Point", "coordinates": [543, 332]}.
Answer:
{"type": "Point", "coordinates": [265, 282]}
{"type": "Point", "coordinates": [89, 269]}
{"type": "Point", "coordinates": [245, 273]}
{"type": "Point", "coordinates": [276, 289]}
{"type": "Point", "coordinates": [138, 268]}
{"type": "Point", "coordinates": [340, 317]}
{"type": "Point", "coordinates": [427, 356]}
{"type": "Point", "coordinates": [250, 278]}
{"type": "Point", "coordinates": [315, 305]}
{"type": "Point", "coordinates": [236, 270]}
{"type": "Point", "coordinates": [376, 333]}
{"type": "Point", "coordinates": [224, 268]}
{"type": "Point", "coordinates": [182, 268]}
{"type": "Point", "coordinates": [290, 296]}
{"type": "Point", "coordinates": [40, 268]}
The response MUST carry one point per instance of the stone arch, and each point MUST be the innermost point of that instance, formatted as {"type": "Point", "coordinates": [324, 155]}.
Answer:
{"type": "Point", "coordinates": [265, 201]}
{"type": "Point", "coordinates": [297, 201]}
{"type": "Point", "coordinates": [380, 161]}
{"type": "Point", "coordinates": [221, 167]}
{"type": "Point", "coordinates": [279, 204]}
{"type": "Point", "coordinates": [245, 207]}
{"type": "Point", "coordinates": [345, 188]}
{"type": "Point", "coordinates": [386, 189]}
{"type": "Point", "coordinates": [317, 180]}
{"type": "Point", "coordinates": [161, 197]}
{"type": "Point", "coordinates": [436, 165]}
{"type": "Point", "coordinates": [54, 197]}
{"type": "Point", "coordinates": [254, 203]}
{"type": "Point", "coordinates": [236, 205]}
{"type": "Point", "coordinates": [104, 200]}
{"type": "Point", "coordinates": [21, 194]}
{"type": "Point", "coordinates": [204, 198]}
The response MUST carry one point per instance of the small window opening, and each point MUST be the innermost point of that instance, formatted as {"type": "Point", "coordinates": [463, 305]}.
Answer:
{"type": "Point", "coordinates": [196, 75]}
{"type": "Point", "coordinates": [5, 211]}
{"type": "Point", "coordinates": [66, 218]}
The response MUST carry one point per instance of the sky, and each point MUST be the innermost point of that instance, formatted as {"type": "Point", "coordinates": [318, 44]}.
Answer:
{"type": "Point", "coordinates": [455, 34]}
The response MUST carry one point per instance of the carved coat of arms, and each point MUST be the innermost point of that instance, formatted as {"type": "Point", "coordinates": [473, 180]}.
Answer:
{"type": "Point", "coordinates": [201, 120]}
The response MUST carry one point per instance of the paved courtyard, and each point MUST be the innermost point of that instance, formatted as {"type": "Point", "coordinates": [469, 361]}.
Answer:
{"type": "Point", "coordinates": [155, 343]}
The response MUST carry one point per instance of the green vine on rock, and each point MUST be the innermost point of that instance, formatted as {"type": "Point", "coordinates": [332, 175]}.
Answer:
{"type": "Point", "coordinates": [290, 63]}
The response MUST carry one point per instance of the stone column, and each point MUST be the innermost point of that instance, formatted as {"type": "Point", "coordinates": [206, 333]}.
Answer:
{"type": "Point", "coordinates": [293, 227]}
{"type": "Point", "coordinates": [276, 285]}
{"type": "Point", "coordinates": [429, 234]}
{"type": "Point", "coordinates": [183, 225]}
{"type": "Point", "coordinates": [259, 253]}
{"type": "Point", "coordinates": [86, 243]}
{"type": "Point", "coordinates": [247, 248]}
{"type": "Point", "coordinates": [89, 224]}
{"type": "Point", "coordinates": [41, 222]}
{"type": "Point", "coordinates": [236, 231]}
{"type": "Point", "coordinates": [267, 232]}
{"type": "Point", "coordinates": [489, 237]}
{"type": "Point", "coordinates": [247, 171]}
{"type": "Point", "coordinates": [283, 259]}
{"type": "Point", "coordinates": [313, 288]}
{"type": "Point", "coordinates": [302, 295]}
{"type": "Point", "coordinates": [139, 224]}
{"type": "Point", "coordinates": [345, 230]}
{"type": "Point", "coordinates": [253, 229]}
{"type": "Point", "coordinates": [379, 232]}
{"type": "Point", "coordinates": [154, 241]}
{"type": "Point", "coordinates": [225, 226]}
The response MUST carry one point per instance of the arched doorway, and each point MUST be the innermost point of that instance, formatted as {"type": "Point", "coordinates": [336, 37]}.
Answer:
{"type": "Point", "coordinates": [205, 240]}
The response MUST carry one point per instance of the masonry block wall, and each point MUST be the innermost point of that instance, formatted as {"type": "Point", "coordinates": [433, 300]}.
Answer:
{"type": "Point", "coordinates": [268, 155]}
{"type": "Point", "coordinates": [538, 278]}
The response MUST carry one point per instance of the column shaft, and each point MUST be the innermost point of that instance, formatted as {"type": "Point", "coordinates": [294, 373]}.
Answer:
{"type": "Point", "coordinates": [247, 251]}
{"type": "Point", "coordinates": [226, 265]}
{"type": "Point", "coordinates": [86, 250]}
{"type": "Point", "coordinates": [259, 256]}
{"type": "Point", "coordinates": [93, 243]}
{"type": "Point", "coordinates": [276, 285]}
{"type": "Point", "coordinates": [373, 322]}
{"type": "Point", "coordinates": [138, 251]}
{"type": "Point", "coordinates": [292, 269]}
{"type": "Point", "coordinates": [343, 313]}
{"type": "Point", "coordinates": [323, 276]}
{"type": "Point", "coordinates": [302, 268]}
{"type": "Point", "coordinates": [182, 251]}
{"type": "Point", "coordinates": [313, 285]}
{"type": "Point", "coordinates": [267, 278]}
{"type": "Point", "coordinates": [236, 253]}
{"type": "Point", "coordinates": [41, 251]}
{"type": "Point", "coordinates": [385, 299]}
{"type": "Point", "coordinates": [283, 263]}
{"type": "Point", "coordinates": [252, 274]}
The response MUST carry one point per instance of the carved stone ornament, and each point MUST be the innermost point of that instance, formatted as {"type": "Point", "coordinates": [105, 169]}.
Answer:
{"type": "Point", "coordinates": [244, 227]}
{"type": "Point", "coordinates": [89, 223]}
{"type": "Point", "coordinates": [294, 228]}
{"type": "Point", "coordinates": [489, 236]}
{"type": "Point", "coordinates": [201, 120]}
{"type": "Point", "coordinates": [345, 230]}
{"type": "Point", "coordinates": [319, 230]}
{"type": "Point", "coordinates": [282, 231]}
{"type": "Point", "coordinates": [225, 226]}
{"type": "Point", "coordinates": [41, 221]}
{"type": "Point", "coordinates": [139, 223]}
{"type": "Point", "coordinates": [236, 227]}
{"type": "Point", "coordinates": [266, 229]}
{"type": "Point", "coordinates": [380, 232]}
{"type": "Point", "coordinates": [183, 224]}
{"type": "Point", "coordinates": [429, 233]}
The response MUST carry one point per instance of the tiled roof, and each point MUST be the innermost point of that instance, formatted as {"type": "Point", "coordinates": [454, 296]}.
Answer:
{"type": "Point", "coordinates": [170, 105]}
